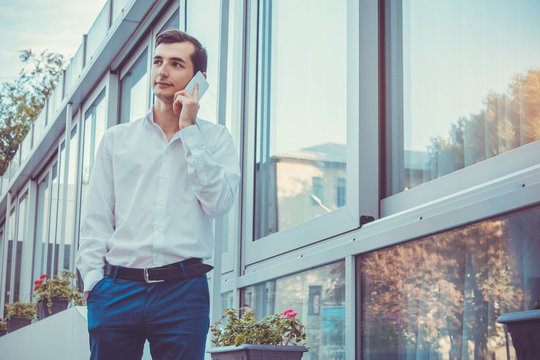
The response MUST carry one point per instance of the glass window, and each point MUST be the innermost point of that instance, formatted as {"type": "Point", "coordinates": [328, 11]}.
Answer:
{"type": "Point", "coordinates": [319, 297]}
{"type": "Point", "coordinates": [301, 110]}
{"type": "Point", "coordinates": [71, 199]}
{"type": "Point", "coordinates": [135, 90]}
{"type": "Point", "coordinates": [52, 219]}
{"type": "Point", "coordinates": [60, 208]}
{"type": "Point", "coordinates": [21, 237]}
{"type": "Point", "coordinates": [203, 20]}
{"type": "Point", "coordinates": [9, 261]}
{"type": "Point", "coordinates": [172, 23]}
{"type": "Point", "coordinates": [42, 221]}
{"type": "Point", "coordinates": [439, 297]}
{"type": "Point", "coordinates": [95, 124]}
{"type": "Point", "coordinates": [462, 83]}
{"type": "Point", "coordinates": [341, 192]}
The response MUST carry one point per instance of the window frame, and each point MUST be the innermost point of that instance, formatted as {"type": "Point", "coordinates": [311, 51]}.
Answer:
{"type": "Point", "coordinates": [126, 67]}
{"type": "Point", "coordinates": [476, 175]}
{"type": "Point", "coordinates": [340, 220]}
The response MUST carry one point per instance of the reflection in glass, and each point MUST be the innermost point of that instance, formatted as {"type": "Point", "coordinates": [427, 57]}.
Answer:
{"type": "Point", "coordinates": [21, 236]}
{"type": "Point", "coordinates": [319, 297]}
{"type": "Point", "coordinates": [439, 297]}
{"type": "Point", "coordinates": [60, 207]}
{"type": "Point", "coordinates": [301, 111]}
{"type": "Point", "coordinates": [42, 220]}
{"type": "Point", "coordinates": [134, 100]}
{"type": "Point", "coordinates": [462, 83]}
{"type": "Point", "coordinates": [172, 23]}
{"type": "Point", "coordinates": [203, 23]}
{"type": "Point", "coordinates": [52, 220]}
{"type": "Point", "coordinates": [95, 124]}
{"type": "Point", "coordinates": [71, 202]}
{"type": "Point", "coordinates": [9, 260]}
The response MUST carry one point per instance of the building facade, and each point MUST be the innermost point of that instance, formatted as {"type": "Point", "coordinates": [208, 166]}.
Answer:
{"type": "Point", "coordinates": [389, 152]}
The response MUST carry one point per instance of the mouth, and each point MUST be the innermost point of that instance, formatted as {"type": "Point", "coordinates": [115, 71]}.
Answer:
{"type": "Point", "coordinates": [160, 83]}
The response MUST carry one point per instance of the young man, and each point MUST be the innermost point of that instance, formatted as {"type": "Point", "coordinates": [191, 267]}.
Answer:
{"type": "Point", "coordinates": [155, 185]}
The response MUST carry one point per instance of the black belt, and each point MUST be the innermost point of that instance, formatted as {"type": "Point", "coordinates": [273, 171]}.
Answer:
{"type": "Point", "coordinates": [177, 271]}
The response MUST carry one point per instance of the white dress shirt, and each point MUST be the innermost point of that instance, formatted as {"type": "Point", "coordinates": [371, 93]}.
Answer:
{"type": "Point", "coordinates": [150, 201]}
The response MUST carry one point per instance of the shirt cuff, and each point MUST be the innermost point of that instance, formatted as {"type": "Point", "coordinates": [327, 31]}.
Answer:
{"type": "Point", "coordinates": [191, 137]}
{"type": "Point", "coordinates": [91, 279]}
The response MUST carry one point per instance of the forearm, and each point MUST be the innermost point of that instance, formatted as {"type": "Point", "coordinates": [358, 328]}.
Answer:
{"type": "Point", "coordinates": [214, 175]}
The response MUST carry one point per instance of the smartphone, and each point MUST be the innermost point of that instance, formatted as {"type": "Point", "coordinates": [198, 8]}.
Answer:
{"type": "Point", "coordinates": [198, 79]}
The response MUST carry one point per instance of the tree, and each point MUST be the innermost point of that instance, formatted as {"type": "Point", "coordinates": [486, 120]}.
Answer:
{"type": "Point", "coordinates": [22, 99]}
{"type": "Point", "coordinates": [507, 121]}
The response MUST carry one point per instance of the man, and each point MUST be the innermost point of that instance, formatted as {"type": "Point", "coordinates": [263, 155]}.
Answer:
{"type": "Point", "coordinates": [155, 185]}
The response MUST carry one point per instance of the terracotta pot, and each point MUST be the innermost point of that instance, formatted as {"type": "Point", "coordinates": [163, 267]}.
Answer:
{"type": "Point", "coordinates": [524, 326]}
{"type": "Point", "coordinates": [259, 352]}
{"type": "Point", "coordinates": [17, 322]}
{"type": "Point", "coordinates": [58, 305]}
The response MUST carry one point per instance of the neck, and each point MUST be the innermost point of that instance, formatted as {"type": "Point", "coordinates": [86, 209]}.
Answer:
{"type": "Point", "coordinates": [165, 117]}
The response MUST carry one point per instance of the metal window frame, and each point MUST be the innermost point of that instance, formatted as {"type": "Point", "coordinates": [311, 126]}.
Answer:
{"type": "Point", "coordinates": [340, 220]}
{"type": "Point", "coordinates": [460, 180]}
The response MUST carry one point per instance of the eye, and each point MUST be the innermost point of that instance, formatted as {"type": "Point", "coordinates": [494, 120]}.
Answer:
{"type": "Point", "coordinates": [157, 62]}
{"type": "Point", "coordinates": [176, 64]}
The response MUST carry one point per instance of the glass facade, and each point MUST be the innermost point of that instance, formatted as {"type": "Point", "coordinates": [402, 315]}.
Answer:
{"type": "Point", "coordinates": [299, 136]}
{"type": "Point", "coordinates": [440, 296]}
{"type": "Point", "coordinates": [71, 201]}
{"type": "Point", "coordinates": [134, 98]}
{"type": "Point", "coordinates": [462, 81]}
{"type": "Point", "coordinates": [319, 297]}
{"type": "Point", "coordinates": [95, 124]}
{"type": "Point", "coordinates": [42, 222]}
{"type": "Point", "coordinates": [457, 84]}
{"type": "Point", "coordinates": [52, 220]}
{"type": "Point", "coordinates": [21, 237]}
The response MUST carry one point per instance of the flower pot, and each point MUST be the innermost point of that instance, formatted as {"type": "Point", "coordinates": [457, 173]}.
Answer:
{"type": "Point", "coordinates": [17, 322]}
{"type": "Point", "coordinates": [524, 326]}
{"type": "Point", "coordinates": [259, 352]}
{"type": "Point", "coordinates": [3, 332]}
{"type": "Point", "coordinates": [58, 305]}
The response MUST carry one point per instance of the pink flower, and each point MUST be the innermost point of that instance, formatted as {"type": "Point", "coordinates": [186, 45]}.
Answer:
{"type": "Point", "coordinates": [43, 276]}
{"type": "Point", "coordinates": [289, 314]}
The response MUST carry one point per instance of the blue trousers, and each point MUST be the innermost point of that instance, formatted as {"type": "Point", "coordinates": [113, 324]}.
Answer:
{"type": "Point", "coordinates": [173, 316]}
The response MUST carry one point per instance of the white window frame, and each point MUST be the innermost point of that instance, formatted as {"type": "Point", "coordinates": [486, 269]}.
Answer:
{"type": "Point", "coordinates": [340, 220]}
{"type": "Point", "coordinates": [126, 66]}
{"type": "Point", "coordinates": [452, 184]}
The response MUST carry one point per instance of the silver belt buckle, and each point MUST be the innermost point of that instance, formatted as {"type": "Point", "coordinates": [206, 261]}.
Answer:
{"type": "Point", "coordinates": [148, 281]}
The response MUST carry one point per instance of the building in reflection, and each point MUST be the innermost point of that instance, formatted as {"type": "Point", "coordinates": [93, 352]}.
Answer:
{"type": "Point", "coordinates": [390, 175]}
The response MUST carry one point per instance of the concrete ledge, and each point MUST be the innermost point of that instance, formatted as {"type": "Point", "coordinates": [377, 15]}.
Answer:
{"type": "Point", "coordinates": [60, 336]}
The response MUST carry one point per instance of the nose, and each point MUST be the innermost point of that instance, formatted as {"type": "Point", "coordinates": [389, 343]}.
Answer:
{"type": "Point", "coordinates": [162, 71]}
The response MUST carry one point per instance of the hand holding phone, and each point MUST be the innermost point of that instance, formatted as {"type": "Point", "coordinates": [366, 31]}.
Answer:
{"type": "Point", "coordinates": [185, 103]}
{"type": "Point", "coordinates": [198, 79]}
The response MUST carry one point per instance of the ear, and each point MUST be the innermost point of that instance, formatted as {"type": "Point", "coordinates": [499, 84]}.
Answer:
{"type": "Point", "coordinates": [204, 74]}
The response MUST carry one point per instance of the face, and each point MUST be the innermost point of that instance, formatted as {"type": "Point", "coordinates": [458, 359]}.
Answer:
{"type": "Point", "coordinates": [172, 69]}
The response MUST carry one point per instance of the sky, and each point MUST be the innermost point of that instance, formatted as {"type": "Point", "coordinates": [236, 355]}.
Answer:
{"type": "Point", "coordinates": [56, 25]}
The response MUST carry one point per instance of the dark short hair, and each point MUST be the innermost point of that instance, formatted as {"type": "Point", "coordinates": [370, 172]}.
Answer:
{"type": "Point", "coordinates": [199, 58]}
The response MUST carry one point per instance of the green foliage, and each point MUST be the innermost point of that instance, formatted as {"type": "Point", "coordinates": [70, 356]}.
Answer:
{"type": "Point", "coordinates": [22, 99]}
{"type": "Point", "coordinates": [3, 324]}
{"type": "Point", "coordinates": [20, 309]}
{"type": "Point", "coordinates": [58, 287]}
{"type": "Point", "coordinates": [275, 329]}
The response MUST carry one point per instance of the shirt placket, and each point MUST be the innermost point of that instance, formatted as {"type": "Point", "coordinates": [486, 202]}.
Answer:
{"type": "Point", "coordinates": [160, 213]}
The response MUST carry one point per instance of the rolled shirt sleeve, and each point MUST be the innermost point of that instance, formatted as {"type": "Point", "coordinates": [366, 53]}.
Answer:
{"type": "Point", "coordinates": [213, 168]}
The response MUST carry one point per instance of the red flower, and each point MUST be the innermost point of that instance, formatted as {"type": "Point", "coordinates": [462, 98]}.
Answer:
{"type": "Point", "coordinates": [36, 282]}
{"type": "Point", "coordinates": [43, 276]}
{"type": "Point", "coordinates": [289, 314]}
